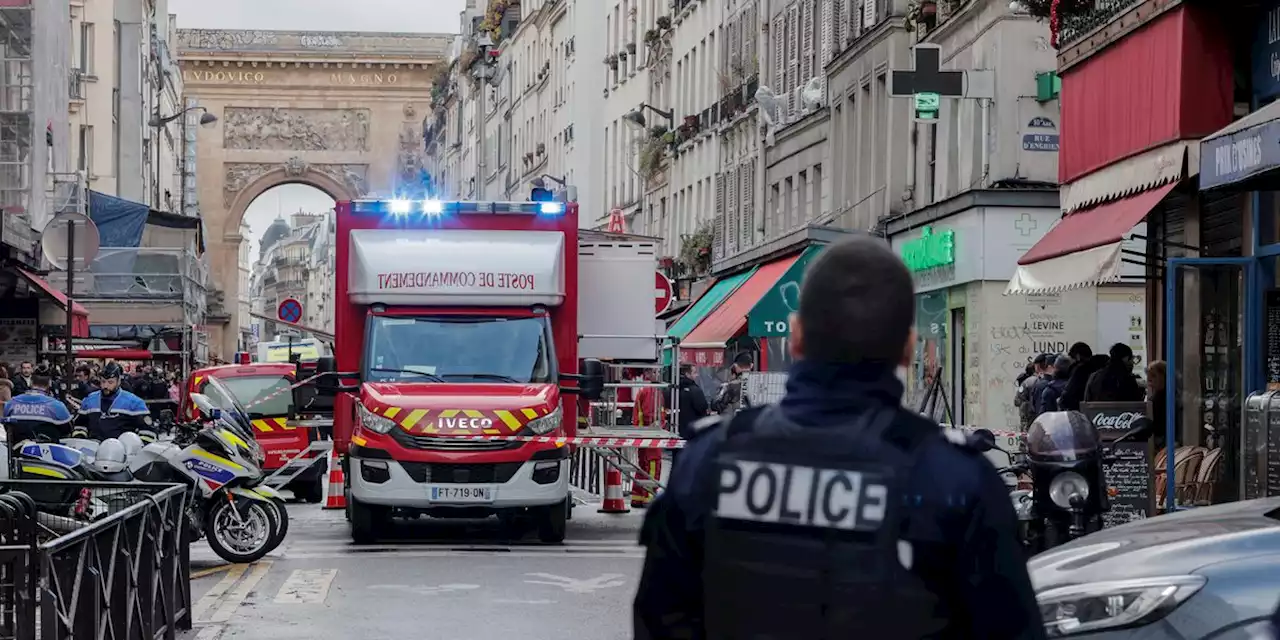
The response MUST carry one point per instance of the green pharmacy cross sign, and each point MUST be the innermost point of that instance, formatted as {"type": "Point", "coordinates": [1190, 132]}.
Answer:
{"type": "Point", "coordinates": [927, 105]}
{"type": "Point", "coordinates": [930, 250]}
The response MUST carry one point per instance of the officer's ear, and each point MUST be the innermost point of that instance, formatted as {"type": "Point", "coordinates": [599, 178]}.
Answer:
{"type": "Point", "coordinates": [797, 337]}
{"type": "Point", "coordinates": [908, 349]}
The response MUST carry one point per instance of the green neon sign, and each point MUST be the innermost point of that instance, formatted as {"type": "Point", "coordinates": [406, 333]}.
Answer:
{"type": "Point", "coordinates": [931, 250]}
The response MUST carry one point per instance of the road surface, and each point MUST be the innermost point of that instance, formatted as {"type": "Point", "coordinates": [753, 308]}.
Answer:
{"type": "Point", "coordinates": [452, 582]}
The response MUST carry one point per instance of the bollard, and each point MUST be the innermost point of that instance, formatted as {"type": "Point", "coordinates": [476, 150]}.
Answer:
{"type": "Point", "coordinates": [614, 502]}
{"type": "Point", "coordinates": [335, 495]}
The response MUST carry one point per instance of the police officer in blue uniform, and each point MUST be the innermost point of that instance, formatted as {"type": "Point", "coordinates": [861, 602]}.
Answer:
{"type": "Point", "coordinates": [36, 414]}
{"type": "Point", "coordinates": [112, 411]}
{"type": "Point", "coordinates": [836, 513]}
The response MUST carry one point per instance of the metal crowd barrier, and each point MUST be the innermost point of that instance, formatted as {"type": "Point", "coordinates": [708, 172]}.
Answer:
{"type": "Point", "coordinates": [93, 560]}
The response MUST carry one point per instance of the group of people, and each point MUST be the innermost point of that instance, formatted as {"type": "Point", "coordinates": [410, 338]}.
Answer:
{"type": "Point", "coordinates": [103, 407]}
{"type": "Point", "coordinates": [1061, 382]}
{"type": "Point", "coordinates": [841, 512]}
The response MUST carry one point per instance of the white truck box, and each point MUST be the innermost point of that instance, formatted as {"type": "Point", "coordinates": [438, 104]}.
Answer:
{"type": "Point", "coordinates": [616, 298]}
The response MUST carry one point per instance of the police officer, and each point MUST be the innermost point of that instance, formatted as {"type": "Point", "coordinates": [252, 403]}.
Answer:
{"type": "Point", "coordinates": [836, 513]}
{"type": "Point", "coordinates": [111, 411]}
{"type": "Point", "coordinates": [36, 414]}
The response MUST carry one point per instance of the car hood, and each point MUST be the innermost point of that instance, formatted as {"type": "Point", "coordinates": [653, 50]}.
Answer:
{"type": "Point", "coordinates": [460, 409]}
{"type": "Point", "coordinates": [1175, 544]}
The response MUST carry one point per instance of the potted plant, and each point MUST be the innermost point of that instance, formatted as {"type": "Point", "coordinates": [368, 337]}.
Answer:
{"type": "Point", "coordinates": [622, 56]}
{"type": "Point", "coordinates": [664, 22]}
{"type": "Point", "coordinates": [652, 37]}
{"type": "Point", "coordinates": [542, 148]}
{"type": "Point", "coordinates": [631, 47]}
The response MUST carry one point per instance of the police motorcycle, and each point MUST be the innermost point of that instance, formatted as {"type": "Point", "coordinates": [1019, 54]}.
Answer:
{"type": "Point", "coordinates": [1065, 457]}
{"type": "Point", "coordinates": [217, 458]}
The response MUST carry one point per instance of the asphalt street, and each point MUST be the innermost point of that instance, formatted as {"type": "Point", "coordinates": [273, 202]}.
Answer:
{"type": "Point", "coordinates": [436, 580]}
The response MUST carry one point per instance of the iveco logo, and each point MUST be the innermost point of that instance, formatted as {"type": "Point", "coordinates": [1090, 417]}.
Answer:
{"type": "Point", "coordinates": [465, 423]}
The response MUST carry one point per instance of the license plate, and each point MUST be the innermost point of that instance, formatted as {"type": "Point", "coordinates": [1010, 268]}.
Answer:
{"type": "Point", "coordinates": [462, 494]}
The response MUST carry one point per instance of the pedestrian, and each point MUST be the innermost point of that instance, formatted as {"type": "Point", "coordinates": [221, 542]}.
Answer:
{"type": "Point", "coordinates": [691, 404]}
{"type": "Point", "coordinates": [1115, 381]}
{"type": "Point", "coordinates": [35, 414]}
{"type": "Point", "coordinates": [1051, 392]}
{"type": "Point", "coordinates": [1083, 364]}
{"type": "Point", "coordinates": [822, 516]}
{"type": "Point", "coordinates": [730, 397]}
{"type": "Point", "coordinates": [648, 413]}
{"type": "Point", "coordinates": [1023, 397]}
{"type": "Point", "coordinates": [113, 411]}
{"type": "Point", "coordinates": [1157, 392]}
{"type": "Point", "coordinates": [6, 387]}
{"type": "Point", "coordinates": [23, 382]}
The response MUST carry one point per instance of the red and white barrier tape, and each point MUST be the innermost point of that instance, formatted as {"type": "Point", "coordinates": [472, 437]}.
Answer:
{"type": "Point", "coordinates": [598, 441]}
{"type": "Point", "coordinates": [279, 392]}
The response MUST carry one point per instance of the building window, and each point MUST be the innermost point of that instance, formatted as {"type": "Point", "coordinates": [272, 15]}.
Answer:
{"type": "Point", "coordinates": [86, 48]}
{"type": "Point", "coordinates": [85, 162]}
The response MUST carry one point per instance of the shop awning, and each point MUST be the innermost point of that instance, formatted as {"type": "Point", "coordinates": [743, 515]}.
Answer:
{"type": "Point", "coordinates": [80, 315]}
{"type": "Point", "coordinates": [1243, 150]}
{"type": "Point", "coordinates": [730, 318]}
{"type": "Point", "coordinates": [1085, 247]}
{"type": "Point", "coordinates": [770, 317]}
{"type": "Point", "coordinates": [115, 354]}
{"type": "Point", "coordinates": [705, 304]}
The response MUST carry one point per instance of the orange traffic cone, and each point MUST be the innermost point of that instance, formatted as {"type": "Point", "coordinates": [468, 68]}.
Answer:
{"type": "Point", "coordinates": [335, 493]}
{"type": "Point", "coordinates": [614, 501]}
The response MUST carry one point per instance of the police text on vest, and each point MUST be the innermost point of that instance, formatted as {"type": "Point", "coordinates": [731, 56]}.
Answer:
{"type": "Point", "coordinates": [804, 496]}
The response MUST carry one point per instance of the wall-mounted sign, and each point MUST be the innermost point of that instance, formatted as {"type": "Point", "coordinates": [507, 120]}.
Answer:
{"type": "Point", "coordinates": [1041, 123]}
{"type": "Point", "coordinates": [1040, 142]}
{"type": "Point", "coordinates": [930, 250]}
{"type": "Point", "coordinates": [1266, 53]}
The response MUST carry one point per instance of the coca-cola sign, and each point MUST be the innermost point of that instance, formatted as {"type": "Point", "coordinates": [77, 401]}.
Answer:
{"type": "Point", "coordinates": [1122, 421]}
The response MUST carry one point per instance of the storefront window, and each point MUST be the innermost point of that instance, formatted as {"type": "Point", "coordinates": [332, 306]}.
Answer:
{"type": "Point", "coordinates": [930, 358]}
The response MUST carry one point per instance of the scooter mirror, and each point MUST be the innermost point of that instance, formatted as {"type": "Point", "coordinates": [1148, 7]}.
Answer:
{"type": "Point", "coordinates": [983, 440]}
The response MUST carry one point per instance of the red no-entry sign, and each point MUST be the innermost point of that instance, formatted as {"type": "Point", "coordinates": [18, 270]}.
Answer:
{"type": "Point", "coordinates": [664, 293]}
{"type": "Point", "coordinates": [290, 311]}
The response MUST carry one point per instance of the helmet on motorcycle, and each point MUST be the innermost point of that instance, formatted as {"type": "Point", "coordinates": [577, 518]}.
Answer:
{"type": "Point", "coordinates": [111, 457]}
{"type": "Point", "coordinates": [132, 443]}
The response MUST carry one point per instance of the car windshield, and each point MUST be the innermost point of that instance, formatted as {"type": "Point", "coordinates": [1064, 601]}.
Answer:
{"type": "Point", "coordinates": [222, 397]}
{"type": "Point", "coordinates": [251, 391]}
{"type": "Point", "coordinates": [458, 349]}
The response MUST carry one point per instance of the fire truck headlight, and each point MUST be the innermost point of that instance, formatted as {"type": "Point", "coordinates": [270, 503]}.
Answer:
{"type": "Point", "coordinates": [546, 424]}
{"type": "Point", "coordinates": [374, 422]}
{"type": "Point", "coordinates": [400, 207]}
{"type": "Point", "coordinates": [433, 207]}
{"type": "Point", "coordinates": [551, 208]}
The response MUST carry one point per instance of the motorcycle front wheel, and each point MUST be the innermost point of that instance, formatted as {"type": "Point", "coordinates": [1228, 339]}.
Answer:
{"type": "Point", "coordinates": [282, 524]}
{"type": "Point", "coordinates": [242, 535]}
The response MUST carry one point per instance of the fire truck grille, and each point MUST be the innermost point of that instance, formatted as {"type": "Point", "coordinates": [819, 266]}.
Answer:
{"type": "Point", "coordinates": [445, 443]}
{"type": "Point", "coordinates": [450, 473]}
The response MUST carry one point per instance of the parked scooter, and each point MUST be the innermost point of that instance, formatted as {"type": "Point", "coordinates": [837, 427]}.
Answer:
{"type": "Point", "coordinates": [1065, 457]}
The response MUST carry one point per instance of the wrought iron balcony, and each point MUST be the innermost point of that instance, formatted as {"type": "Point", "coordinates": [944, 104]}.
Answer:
{"type": "Point", "coordinates": [1075, 21]}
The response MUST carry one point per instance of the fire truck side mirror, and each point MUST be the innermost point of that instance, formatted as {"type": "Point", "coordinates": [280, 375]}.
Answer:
{"type": "Point", "coordinates": [591, 380]}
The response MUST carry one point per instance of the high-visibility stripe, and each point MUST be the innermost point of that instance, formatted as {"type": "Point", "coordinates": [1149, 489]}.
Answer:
{"type": "Point", "coordinates": [507, 418]}
{"type": "Point", "coordinates": [449, 413]}
{"type": "Point", "coordinates": [283, 423]}
{"type": "Point", "coordinates": [391, 412]}
{"type": "Point", "coordinates": [472, 413]}
{"type": "Point", "coordinates": [413, 418]}
{"type": "Point", "coordinates": [261, 425]}
{"type": "Point", "coordinates": [530, 413]}
{"type": "Point", "coordinates": [358, 441]}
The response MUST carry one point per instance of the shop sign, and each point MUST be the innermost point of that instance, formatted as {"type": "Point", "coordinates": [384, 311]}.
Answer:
{"type": "Point", "coordinates": [1239, 155]}
{"type": "Point", "coordinates": [1266, 53]}
{"type": "Point", "coordinates": [931, 250]}
{"type": "Point", "coordinates": [771, 317]}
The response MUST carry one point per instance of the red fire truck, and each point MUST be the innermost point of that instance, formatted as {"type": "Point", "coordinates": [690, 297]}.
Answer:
{"type": "Point", "coordinates": [457, 321]}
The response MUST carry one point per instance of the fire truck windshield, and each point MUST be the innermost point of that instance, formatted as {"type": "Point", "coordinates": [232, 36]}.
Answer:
{"type": "Point", "coordinates": [458, 349]}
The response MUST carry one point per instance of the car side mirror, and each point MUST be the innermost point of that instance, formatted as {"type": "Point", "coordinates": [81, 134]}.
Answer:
{"type": "Point", "coordinates": [591, 380]}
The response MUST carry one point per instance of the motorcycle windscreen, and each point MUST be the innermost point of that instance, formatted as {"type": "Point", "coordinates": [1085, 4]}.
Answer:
{"type": "Point", "coordinates": [1062, 436]}
{"type": "Point", "coordinates": [266, 400]}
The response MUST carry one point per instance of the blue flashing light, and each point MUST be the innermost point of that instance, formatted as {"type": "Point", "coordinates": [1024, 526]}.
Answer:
{"type": "Point", "coordinates": [551, 208]}
{"type": "Point", "coordinates": [433, 207]}
{"type": "Point", "coordinates": [400, 207]}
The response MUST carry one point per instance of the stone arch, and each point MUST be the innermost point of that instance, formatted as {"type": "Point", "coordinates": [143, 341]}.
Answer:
{"type": "Point", "coordinates": [279, 177]}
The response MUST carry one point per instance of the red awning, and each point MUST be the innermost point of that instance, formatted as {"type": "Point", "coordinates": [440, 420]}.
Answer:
{"type": "Point", "coordinates": [730, 318]}
{"type": "Point", "coordinates": [80, 319]}
{"type": "Point", "coordinates": [115, 354]}
{"type": "Point", "coordinates": [1085, 248]}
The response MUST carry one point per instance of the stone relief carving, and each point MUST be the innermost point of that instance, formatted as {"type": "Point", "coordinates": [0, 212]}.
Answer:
{"type": "Point", "coordinates": [429, 45]}
{"type": "Point", "coordinates": [239, 175]}
{"type": "Point", "coordinates": [409, 170]}
{"type": "Point", "coordinates": [294, 167]}
{"type": "Point", "coordinates": [295, 129]}
{"type": "Point", "coordinates": [319, 40]}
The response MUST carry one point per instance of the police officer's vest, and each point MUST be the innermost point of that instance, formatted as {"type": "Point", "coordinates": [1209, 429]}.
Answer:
{"type": "Point", "coordinates": [126, 412]}
{"type": "Point", "coordinates": [36, 414]}
{"type": "Point", "coordinates": [805, 539]}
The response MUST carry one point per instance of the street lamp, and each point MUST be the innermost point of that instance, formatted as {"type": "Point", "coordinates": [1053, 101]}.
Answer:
{"type": "Point", "coordinates": [157, 121]}
{"type": "Point", "coordinates": [636, 116]}
{"type": "Point", "coordinates": [206, 119]}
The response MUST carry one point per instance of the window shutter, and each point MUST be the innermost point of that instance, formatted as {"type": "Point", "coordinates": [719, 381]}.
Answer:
{"type": "Point", "coordinates": [839, 27]}
{"type": "Point", "coordinates": [793, 56]}
{"type": "Point", "coordinates": [717, 229]}
{"type": "Point", "coordinates": [732, 215]}
{"type": "Point", "coordinates": [749, 34]}
{"type": "Point", "coordinates": [827, 8]}
{"type": "Point", "coordinates": [778, 34]}
{"type": "Point", "coordinates": [868, 14]}
{"type": "Point", "coordinates": [806, 41]}
{"type": "Point", "coordinates": [748, 204]}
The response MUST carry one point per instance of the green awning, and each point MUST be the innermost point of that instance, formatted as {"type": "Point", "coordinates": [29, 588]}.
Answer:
{"type": "Point", "coordinates": [703, 306]}
{"type": "Point", "coordinates": [769, 318]}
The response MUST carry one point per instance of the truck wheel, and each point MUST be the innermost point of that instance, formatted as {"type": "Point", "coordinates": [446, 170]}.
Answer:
{"type": "Point", "coordinates": [552, 522]}
{"type": "Point", "coordinates": [368, 521]}
{"type": "Point", "coordinates": [311, 492]}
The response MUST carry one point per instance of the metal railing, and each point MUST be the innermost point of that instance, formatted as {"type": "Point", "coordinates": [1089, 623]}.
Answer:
{"type": "Point", "coordinates": [124, 575]}
{"type": "Point", "coordinates": [1074, 26]}
{"type": "Point", "coordinates": [143, 274]}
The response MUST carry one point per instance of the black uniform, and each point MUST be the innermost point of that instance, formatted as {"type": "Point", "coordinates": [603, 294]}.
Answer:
{"type": "Point", "coordinates": [834, 514]}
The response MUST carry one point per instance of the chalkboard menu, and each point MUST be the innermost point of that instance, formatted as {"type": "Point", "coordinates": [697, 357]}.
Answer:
{"type": "Point", "coordinates": [1129, 474]}
{"type": "Point", "coordinates": [1255, 452]}
{"type": "Point", "coordinates": [1272, 318]}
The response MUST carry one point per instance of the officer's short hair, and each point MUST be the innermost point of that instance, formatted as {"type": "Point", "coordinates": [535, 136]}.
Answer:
{"type": "Point", "coordinates": [857, 303]}
{"type": "Point", "coordinates": [744, 359]}
{"type": "Point", "coordinates": [41, 379]}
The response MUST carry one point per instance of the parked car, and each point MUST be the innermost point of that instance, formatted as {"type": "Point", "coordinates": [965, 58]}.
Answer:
{"type": "Point", "coordinates": [262, 389]}
{"type": "Point", "coordinates": [1209, 572]}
